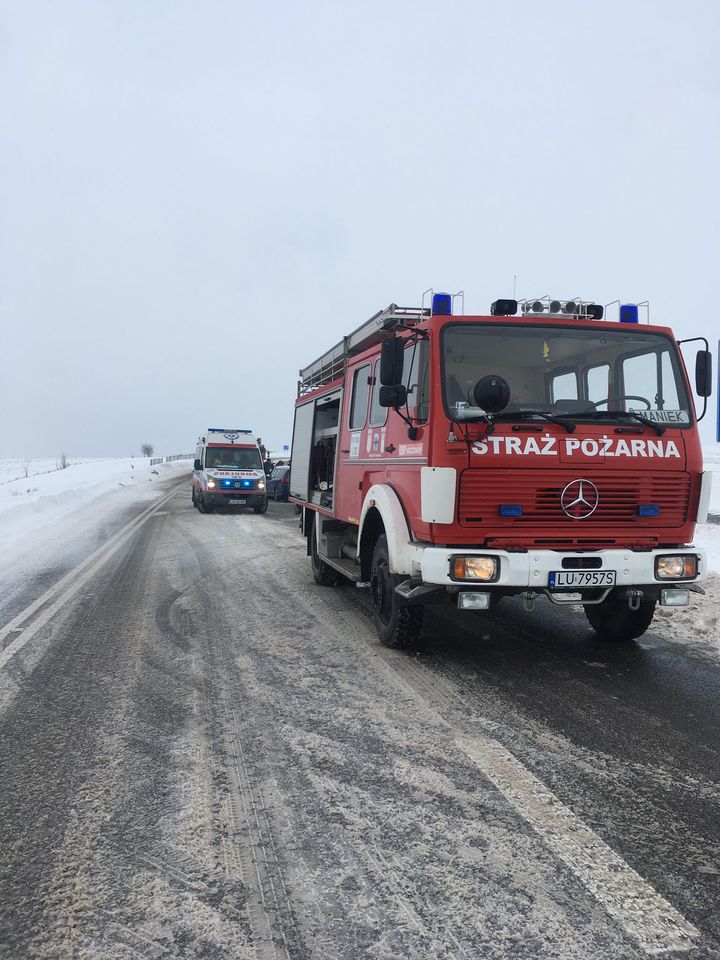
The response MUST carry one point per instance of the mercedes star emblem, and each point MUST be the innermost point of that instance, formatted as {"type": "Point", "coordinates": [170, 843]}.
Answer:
{"type": "Point", "coordinates": [579, 499]}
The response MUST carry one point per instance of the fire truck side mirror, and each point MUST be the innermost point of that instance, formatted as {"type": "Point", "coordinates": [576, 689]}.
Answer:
{"type": "Point", "coordinates": [393, 396]}
{"type": "Point", "coordinates": [703, 373]}
{"type": "Point", "coordinates": [198, 464]}
{"type": "Point", "coordinates": [391, 364]}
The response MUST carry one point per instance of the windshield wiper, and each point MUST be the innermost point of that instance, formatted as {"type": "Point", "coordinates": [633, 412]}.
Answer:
{"type": "Point", "coordinates": [659, 428]}
{"type": "Point", "coordinates": [490, 418]}
{"type": "Point", "coordinates": [527, 414]}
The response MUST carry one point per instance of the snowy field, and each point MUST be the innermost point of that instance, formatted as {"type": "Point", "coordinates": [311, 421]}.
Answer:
{"type": "Point", "coordinates": [46, 494]}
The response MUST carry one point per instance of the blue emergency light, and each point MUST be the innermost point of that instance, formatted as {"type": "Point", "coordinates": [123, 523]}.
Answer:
{"type": "Point", "coordinates": [511, 510]}
{"type": "Point", "coordinates": [648, 510]}
{"type": "Point", "coordinates": [629, 313]}
{"type": "Point", "coordinates": [442, 305]}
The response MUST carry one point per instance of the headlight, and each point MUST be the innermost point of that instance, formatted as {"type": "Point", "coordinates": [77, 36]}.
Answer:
{"type": "Point", "coordinates": [261, 485]}
{"type": "Point", "coordinates": [211, 484]}
{"type": "Point", "coordinates": [474, 568]}
{"type": "Point", "coordinates": [682, 566]}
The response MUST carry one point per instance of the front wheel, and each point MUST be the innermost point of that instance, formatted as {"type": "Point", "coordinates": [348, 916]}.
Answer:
{"type": "Point", "coordinates": [261, 507]}
{"type": "Point", "coordinates": [203, 505]}
{"type": "Point", "coordinates": [397, 624]}
{"type": "Point", "coordinates": [613, 620]}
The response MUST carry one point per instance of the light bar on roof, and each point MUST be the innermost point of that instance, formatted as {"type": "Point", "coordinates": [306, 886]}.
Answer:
{"type": "Point", "coordinates": [226, 430]}
{"type": "Point", "coordinates": [562, 308]}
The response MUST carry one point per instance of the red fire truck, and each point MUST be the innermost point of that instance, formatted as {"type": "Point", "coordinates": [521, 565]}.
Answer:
{"type": "Point", "coordinates": [540, 450]}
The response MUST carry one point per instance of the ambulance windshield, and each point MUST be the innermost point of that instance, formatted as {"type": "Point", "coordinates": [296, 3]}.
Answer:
{"type": "Point", "coordinates": [233, 458]}
{"type": "Point", "coordinates": [564, 371]}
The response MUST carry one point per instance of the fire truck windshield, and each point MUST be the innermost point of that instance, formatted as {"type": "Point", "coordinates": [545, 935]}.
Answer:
{"type": "Point", "coordinates": [233, 458]}
{"type": "Point", "coordinates": [570, 372]}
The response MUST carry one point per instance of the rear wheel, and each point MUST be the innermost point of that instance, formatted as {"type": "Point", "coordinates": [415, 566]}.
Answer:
{"type": "Point", "coordinates": [398, 625]}
{"type": "Point", "coordinates": [613, 620]}
{"type": "Point", "coordinates": [323, 574]}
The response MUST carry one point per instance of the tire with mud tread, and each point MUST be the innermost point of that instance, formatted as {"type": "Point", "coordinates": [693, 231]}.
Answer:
{"type": "Point", "coordinates": [398, 625]}
{"type": "Point", "coordinates": [323, 575]}
{"type": "Point", "coordinates": [261, 508]}
{"type": "Point", "coordinates": [614, 621]}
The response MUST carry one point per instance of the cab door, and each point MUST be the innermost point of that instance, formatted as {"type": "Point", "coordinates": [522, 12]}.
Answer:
{"type": "Point", "coordinates": [354, 440]}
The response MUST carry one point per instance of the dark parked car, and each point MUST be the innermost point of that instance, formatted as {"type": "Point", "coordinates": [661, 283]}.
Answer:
{"type": "Point", "coordinates": [278, 483]}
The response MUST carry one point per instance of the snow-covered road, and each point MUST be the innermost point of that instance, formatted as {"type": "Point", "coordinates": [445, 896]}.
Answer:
{"type": "Point", "coordinates": [204, 754]}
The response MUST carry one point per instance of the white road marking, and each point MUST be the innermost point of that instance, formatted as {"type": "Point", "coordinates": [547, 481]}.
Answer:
{"type": "Point", "coordinates": [656, 925]}
{"type": "Point", "coordinates": [70, 584]}
{"type": "Point", "coordinates": [628, 898]}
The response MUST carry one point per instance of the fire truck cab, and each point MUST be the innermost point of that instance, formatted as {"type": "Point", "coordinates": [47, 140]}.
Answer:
{"type": "Point", "coordinates": [540, 450]}
{"type": "Point", "coordinates": [228, 471]}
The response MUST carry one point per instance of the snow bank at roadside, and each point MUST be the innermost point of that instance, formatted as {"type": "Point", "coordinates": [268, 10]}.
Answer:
{"type": "Point", "coordinates": [711, 461]}
{"type": "Point", "coordinates": [18, 469]}
{"type": "Point", "coordinates": [707, 536]}
{"type": "Point", "coordinates": [29, 502]}
{"type": "Point", "coordinates": [696, 626]}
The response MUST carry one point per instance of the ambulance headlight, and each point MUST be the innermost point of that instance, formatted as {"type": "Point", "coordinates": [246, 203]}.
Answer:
{"type": "Point", "coordinates": [211, 484]}
{"type": "Point", "coordinates": [680, 566]}
{"type": "Point", "coordinates": [483, 569]}
{"type": "Point", "coordinates": [261, 485]}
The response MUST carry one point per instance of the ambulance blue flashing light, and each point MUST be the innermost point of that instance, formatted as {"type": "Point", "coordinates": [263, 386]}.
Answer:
{"type": "Point", "coordinates": [629, 313]}
{"type": "Point", "coordinates": [441, 305]}
{"type": "Point", "coordinates": [648, 510]}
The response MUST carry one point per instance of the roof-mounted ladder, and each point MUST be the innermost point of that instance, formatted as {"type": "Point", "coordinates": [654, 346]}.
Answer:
{"type": "Point", "coordinates": [331, 365]}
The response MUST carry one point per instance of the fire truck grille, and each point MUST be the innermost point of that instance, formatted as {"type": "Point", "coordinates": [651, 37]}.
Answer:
{"type": "Point", "coordinates": [619, 495]}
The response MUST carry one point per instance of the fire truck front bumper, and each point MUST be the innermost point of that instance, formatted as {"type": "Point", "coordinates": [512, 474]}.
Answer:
{"type": "Point", "coordinates": [562, 577]}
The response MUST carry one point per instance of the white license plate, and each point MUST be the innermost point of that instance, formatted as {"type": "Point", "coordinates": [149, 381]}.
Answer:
{"type": "Point", "coordinates": [237, 501]}
{"type": "Point", "coordinates": [581, 578]}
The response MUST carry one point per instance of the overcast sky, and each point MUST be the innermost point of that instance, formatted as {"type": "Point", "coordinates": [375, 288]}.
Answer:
{"type": "Point", "coordinates": [197, 198]}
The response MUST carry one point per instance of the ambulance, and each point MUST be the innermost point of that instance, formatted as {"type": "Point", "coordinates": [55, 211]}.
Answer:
{"type": "Point", "coordinates": [540, 450]}
{"type": "Point", "coordinates": [228, 471]}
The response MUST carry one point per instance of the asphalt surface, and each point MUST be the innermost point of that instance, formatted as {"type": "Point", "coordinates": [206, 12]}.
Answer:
{"type": "Point", "coordinates": [204, 754]}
